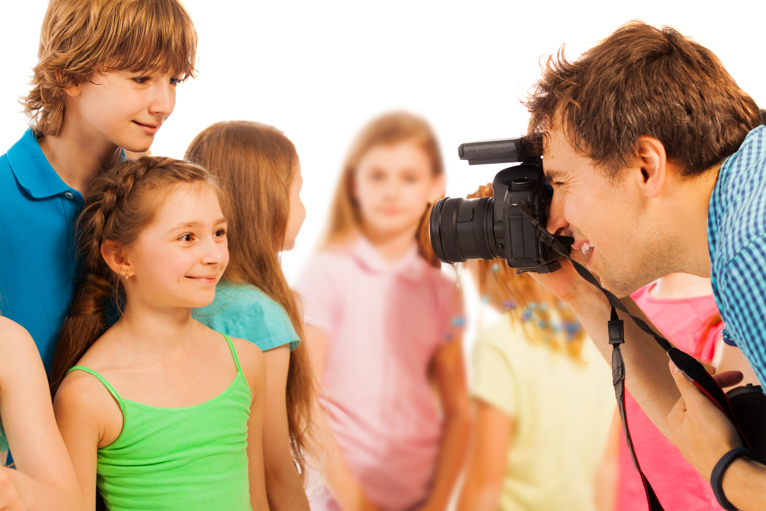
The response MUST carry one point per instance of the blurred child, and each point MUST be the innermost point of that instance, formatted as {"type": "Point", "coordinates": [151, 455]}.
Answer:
{"type": "Point", "coordinates": [44, 478]}
{"type": "Point", "coordinates": [106, 79]}
{"type": "Point", "coordinates": [160, 412]}
{"type": "Point", "coordinates": [260, 174]}
{"type": "Point", "coordinates": [542, 397]}
{"type": "Point", "coordinates": [682, 307]}
{"type": "Point", "coordinates": [381, 318]}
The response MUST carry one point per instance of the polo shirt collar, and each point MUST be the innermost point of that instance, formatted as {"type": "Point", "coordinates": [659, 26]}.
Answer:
{"type": "Point", "coordinates": [410, 266]}
{"type": "Point", "coordinates": [32, 170]}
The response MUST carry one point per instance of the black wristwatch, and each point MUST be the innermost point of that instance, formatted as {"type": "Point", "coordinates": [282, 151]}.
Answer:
{"type": "Point", "coordinates": [716, 478]}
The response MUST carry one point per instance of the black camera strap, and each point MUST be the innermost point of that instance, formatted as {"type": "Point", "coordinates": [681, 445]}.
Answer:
{"type": "Point", "coordinates": [691, 368]}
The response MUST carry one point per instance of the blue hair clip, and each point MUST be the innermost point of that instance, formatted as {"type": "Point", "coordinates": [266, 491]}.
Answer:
{"type": "Point", "coordinates": [458, 321]}
{"type": "Point", "coordinates": [495, 268]}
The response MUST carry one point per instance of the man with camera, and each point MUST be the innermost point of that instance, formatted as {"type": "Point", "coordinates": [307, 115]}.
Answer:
{"type": "Point", "coordinates": [658, 166]}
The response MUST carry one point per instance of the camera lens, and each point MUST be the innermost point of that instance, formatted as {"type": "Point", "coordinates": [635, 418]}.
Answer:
{"type": "Point", "coordinates": [461, 229]}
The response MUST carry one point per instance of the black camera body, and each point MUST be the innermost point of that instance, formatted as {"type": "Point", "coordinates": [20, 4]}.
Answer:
{"type": "Point", "coordinates": [494, 227]}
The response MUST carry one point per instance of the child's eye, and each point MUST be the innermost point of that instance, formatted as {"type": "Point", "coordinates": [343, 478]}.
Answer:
{"type": "Point", "coordinates": [220, 233]}
{"type": "Point", "coordinates": [141, 80]}
{"type": "Point", "coordinates": [176, 81]}
{"type": "Point", "coordinates": [186, 237]}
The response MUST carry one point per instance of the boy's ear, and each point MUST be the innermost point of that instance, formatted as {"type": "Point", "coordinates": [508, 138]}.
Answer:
{"type": "Point", "coordinates": [652, 164]}
{"type": "Point", "coordinates": [117, 259]}
{"type": "Point", "coordinates": [71, 90]}
{"type": "Point", "coordinates": [438, 188]}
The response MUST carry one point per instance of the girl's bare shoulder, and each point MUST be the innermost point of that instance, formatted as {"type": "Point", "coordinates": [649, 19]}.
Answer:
{"type": "Point", "coordinates": [17, 348]}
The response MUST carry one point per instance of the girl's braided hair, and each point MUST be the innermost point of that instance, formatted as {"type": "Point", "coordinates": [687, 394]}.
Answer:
{"type": "Point", "coordinates": [122, 202]}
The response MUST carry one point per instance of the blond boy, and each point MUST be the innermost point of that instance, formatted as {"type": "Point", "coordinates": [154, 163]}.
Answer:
{"type": "Point", "coordinates": [105, 81]}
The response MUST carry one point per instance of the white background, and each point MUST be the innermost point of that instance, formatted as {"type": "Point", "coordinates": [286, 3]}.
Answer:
{"type": "Point", "coordinates": [320, 70]}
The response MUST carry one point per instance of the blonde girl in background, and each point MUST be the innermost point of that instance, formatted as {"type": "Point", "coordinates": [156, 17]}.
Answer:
{"type": "Point", "coordinates": [542, 399]}
{"type": "Point", "coordinates": [260, 173]}
{"type": "Point", "coordinates": [383, 323]}
{"type": "Point", "coordinates": [160, 412]}
{"type": "Point", "coordinates": [44, 478]}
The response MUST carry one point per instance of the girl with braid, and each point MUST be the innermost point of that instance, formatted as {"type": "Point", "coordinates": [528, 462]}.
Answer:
{"type": "Point", "coordinates": [157, 411]}
{"type": "Point", "coordinates": [542, 401]}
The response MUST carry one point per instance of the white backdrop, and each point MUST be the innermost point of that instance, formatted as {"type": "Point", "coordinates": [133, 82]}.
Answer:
{"type": "Point", "coordinates": [320, 70]}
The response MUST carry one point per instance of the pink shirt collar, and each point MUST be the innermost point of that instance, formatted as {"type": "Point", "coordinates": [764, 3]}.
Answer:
{"type": "Point", "coordinates": [410, 266]}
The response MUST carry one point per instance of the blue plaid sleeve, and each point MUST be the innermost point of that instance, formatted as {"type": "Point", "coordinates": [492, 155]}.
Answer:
{"type": "Point", "coordinates": [742, 292]}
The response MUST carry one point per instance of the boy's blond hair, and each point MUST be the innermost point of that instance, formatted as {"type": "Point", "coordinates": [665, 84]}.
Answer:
{"type": "Point", "coordinates": [80, 37]}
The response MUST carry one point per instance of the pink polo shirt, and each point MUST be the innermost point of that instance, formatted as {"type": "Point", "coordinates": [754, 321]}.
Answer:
{"type": "Point", "coordinates": [384, 325]}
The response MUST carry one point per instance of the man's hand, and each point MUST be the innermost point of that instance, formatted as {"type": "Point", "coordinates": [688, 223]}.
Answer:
{"type": "Point", "coordinates": [566, 283]}
{"type": "Point", "coordinates": [699, 429]}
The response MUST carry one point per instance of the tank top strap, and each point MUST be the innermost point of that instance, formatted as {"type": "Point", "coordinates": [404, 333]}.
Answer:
{"type": "Point", "coordinates": [101, 379]}
{"type": "Point", "coordinates": [233, 352]}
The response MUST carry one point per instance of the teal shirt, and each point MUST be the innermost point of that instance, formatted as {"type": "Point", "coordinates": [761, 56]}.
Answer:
{"type": "Point", "coordinates": [3, 446]}
{"type": "Point", "coordinates": [244, 311]}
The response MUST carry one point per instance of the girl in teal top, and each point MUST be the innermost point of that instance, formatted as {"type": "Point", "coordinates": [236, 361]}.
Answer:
{"type": "Point", "coordinates": [159, 412]}
{"type": "Point", "coordinates": [260, 173]}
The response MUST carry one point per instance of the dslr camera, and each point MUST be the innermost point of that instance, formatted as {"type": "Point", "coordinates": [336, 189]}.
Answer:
{"type": "Point", "coordinates": [496, 227]}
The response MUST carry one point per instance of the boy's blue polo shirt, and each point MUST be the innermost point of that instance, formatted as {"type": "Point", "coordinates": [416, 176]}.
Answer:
{"type": "Point", "coordinates": [38, 212]}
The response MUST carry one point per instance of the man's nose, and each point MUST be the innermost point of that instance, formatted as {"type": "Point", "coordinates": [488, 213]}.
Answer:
{"type": "Point", "coordinates": [556, 220]}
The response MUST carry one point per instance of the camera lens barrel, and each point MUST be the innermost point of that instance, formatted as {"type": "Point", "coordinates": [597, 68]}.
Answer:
{"type": "Point", "coordinates": [461, 229]}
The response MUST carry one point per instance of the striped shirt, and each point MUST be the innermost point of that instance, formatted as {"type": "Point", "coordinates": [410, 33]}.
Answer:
{"type": "Point", "coordinates": [736, 233]}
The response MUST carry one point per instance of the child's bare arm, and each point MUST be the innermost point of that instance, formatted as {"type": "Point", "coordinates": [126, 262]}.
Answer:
{"type": "Point", "coordinates": [45, 478]}
{"type": "Point", "coordinates": [254, 368]}
{"type": "Point", "coordinates": [81, 406]}
{"type": "Point", "coordinates": [488, 459]}
{"type": "Point", "coordinates": [283, 482]}
{"type": "Point", "coordinates": [449, 366]}
{"type": "Point", "coordinates": [340, 480]}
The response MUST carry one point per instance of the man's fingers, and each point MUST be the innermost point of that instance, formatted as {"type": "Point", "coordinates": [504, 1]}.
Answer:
{"type": "Point", "coordinates": [728, 378]}
{"type": "Point", "coordinates": [684, 385]}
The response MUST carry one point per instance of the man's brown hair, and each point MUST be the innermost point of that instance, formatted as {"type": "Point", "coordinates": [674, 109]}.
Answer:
{"type": "Point", "coordinates": [643, 81]}
{"type": "Point", "coordinates": [80, 37]}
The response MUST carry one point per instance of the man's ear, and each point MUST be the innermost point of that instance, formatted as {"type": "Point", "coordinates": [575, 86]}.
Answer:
{"type": "Point", "coordinates": [438, 188]}
{"type": "Point", "coordinates": [652, 164]}
{"type": "Point", "coordinates": [116, 258]}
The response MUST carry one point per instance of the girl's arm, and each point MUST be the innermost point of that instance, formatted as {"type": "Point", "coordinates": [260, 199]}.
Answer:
{"type": "Point", "coordinates": [340, 480]}
{"type": "Point", "coordinates": [449, 366]}
{"type": "Point", "coordinates": [45, 478]}
{"type": "Point", "coordinates": [283, 483]}
{"type": "Point", "coordinates": [491, 440]}
{"type": "Point", "coordinates": [254, 368]}
{"type": "Point", "coordinates": [82, 407]}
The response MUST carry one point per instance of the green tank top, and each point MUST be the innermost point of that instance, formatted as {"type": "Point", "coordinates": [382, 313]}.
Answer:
{"type": "Point", "coordinates": [191, 458]}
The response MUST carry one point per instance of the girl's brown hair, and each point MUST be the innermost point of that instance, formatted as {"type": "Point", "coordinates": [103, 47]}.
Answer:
{"type": "Point", "coordinates": [255, 165]}
{"type": "Point", "coordinates": [531, 304]}
{"type": "Point", "coordinates": [80, 37]}
{"type": "Point", "coordinates": [389, 129]}
{"type": "Point", "coordinates": [123, 201]}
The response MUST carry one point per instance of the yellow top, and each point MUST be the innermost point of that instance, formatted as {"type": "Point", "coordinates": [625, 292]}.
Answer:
{"type": "Point", "coordinates": [561, 411]}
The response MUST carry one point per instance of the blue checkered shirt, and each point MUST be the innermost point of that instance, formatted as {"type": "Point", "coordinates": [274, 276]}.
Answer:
{"type": "Point", "coordinates": [736, 231]}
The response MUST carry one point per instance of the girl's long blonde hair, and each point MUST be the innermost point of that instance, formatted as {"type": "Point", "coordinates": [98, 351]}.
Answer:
{"type": "Point", "coordinates": [530, 304]}
{"type": "Point", "coordinates": [389, 129]}
{"type": "Point", "coordinates": [254, 164]}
